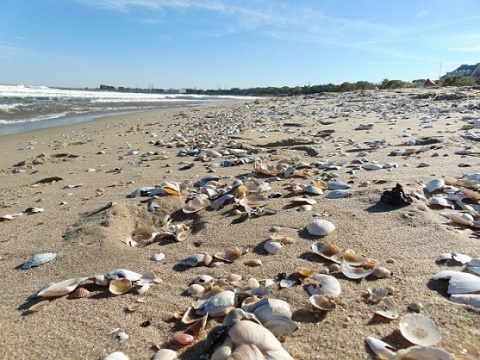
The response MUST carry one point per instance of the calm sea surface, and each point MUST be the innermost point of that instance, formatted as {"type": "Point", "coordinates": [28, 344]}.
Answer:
{"type": "Point", "coordinates": [26, 108]}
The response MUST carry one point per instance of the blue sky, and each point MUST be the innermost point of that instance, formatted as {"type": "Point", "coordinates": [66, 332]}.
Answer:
{"type": "Point", "coordinates": [210, 44]}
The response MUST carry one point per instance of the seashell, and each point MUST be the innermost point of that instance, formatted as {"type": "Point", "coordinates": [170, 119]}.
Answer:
{"type": "Point", "coordinates": [312, 189]}
{"type": "Point", "coordinates": [157, 256]}
{"type": "Point", "coordinates": [218, 305]}
{"type": "Point", "coordinates": [434, 185]}
{"type": "Point", "coordinates": [351, 257]}
{"type": "Point", "coordinates": [306, 272]}
{"type": "Point", "coordinates": [38, 306]}
{"type": "Point", "coordinates": [440, 202]}
{"type": "Point", "coordinates": [80, 293]}
{"type": "Point", "coordinates": [38, 259]}
{"type": "Point", "coordinates": [171, 188]}
{"type": "Point", "coordinates": [325, 250]}
{"type": "Point", "coordinates": [468, 299]}
{"type": "Point", "coordinates": [33, 210]}
{"type": "Point", "coordinates": [117, 355]}
{"type": "Point", "coordinates": [334, 268]}
{"type": "Point", "coordinates": [338, 194]}
{"type": "Point", "coordinates": [253, 262]}
{"type": "Point", "coordinates": [461, 258]}
{"type": "Point", "coordinates": [197, 203]}
{"type": "Point", "coordinates": [377, 294]}
{"type": "Point", "coordinates": [470, 193]}
{"type": "Point", "coordinates": [424, 353]}
{"type": "Point", "coordinates": [354, 272]}
{"type": "Point", "coordinates": [372, 167]}
{"type": "Point", "coordinates": [305, 208]}
{"type": "Point", "coordinates": [272, 247]}
{"type": "Point", "coordinates": [419, 330]}
{"type": "Point", "coordinates": [229, 255]}
{"type": "Point", "coordinates": [123, 274]}
{"type": "Point", "coordinates": [255, 200]}
{"type": "Point", "coordinates": [192, 260]}
{"type": "Point", "coordinates": [415, 306]}
{"type": "Point", "coordinates": [221, 201]}
{"type": "Point", "coordinates": [459, 282]}
{"type": "Point", "coordinates": [234, 277]}
{"type": "Point", "coordinates": [337, 185]}
{"type": "Point", "coordinates": [296, 201]}
{"type": "Point", "coordinates": [122, 336]}
{"type": "Point", "coordinates": [329, 286]}
{"type": "Point", "coordinates": [391, 311]}
{"type": "Point", "coordinates": [322, 303]}
{"type": "Point", "coordinates": [223, 351]}
{"type": "Point", "coordinates": [142, 235]}
{"type": "Point", "coordinates": [203, 279]}
{"type": "Point", "coordinates": [320, 227]}
{"type": "Point", "coordinates": [380, 348]}
{"type": "Point", "coordinates": [381, 273]}
{"type": "Point", "coordinates": [181, 235]}
{"type": "Point", "coordinates": [195, 289]}
{"type": "Point", "coordinates": [134, 306]}
{"type": "Point", "coordinates": [253, 283]}
{"type": "Point", "coordinates": [462, 218]}
{"type": "Point", "coordinates": [287, 283]}
{"type": "Point", "coordinates": [165, 354]}
{"type": "Point", "coordinates": [61, 288]}
{"type": "Point", "coordinates": [183, 338]}
{"type": "Point", "coordinates": [119, 286]}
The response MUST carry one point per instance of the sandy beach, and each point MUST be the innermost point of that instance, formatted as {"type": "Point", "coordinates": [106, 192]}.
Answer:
{"type": "Point", "coordinates": [71, 191]}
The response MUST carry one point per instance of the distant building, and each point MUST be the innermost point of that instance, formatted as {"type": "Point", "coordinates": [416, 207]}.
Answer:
{"type": "Point", "coordinates": [468, 71]}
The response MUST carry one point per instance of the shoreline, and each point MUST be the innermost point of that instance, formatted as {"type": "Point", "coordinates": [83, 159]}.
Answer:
{"type": "Point", "coordinates": [83, 176]}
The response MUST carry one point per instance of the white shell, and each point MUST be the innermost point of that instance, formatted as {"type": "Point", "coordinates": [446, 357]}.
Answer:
{"type": "Point", "coordinates": [338, 194]}
{"type": "Point", "coordinates": [312, 189]}
{"type": "Point", "coordinates": [165, 354]}
{"type": "Point", "coordinates": [337, 185]}
{"type": "Point", "coordinates": [320, 227]}
{"type": "Point", "coordinates": [419, 330]}
{"type": "Point", "coordinates": [195, 289]}
{"type": "Point", "coordinates": [462, 218]}
{"type": "Point", "coordinates": [272, 247]}
{"type": "Point", "coordinates": [435, 184]}
{"type": "Point", "coordinates": [218, 304]}
{"type": "Point", "coordinates": [196, 204]}
{"type": "Point", "coordinates": [380, 348]}
{"type": "Point", "coordinates": [38, 259]}
{"type": "Point", "coordinates": [391, 311]}
{"type": "Point", "coordinates": [354, 272]}
{"type": "Point", "coordinates": [423, 353]}
{"type": "Point", "coordinates": [117, 355]}
{"type": "Point", "coordinates": [192, 260]}
{"type": "Point", "coordinates": [123, 274]}
{"type": "Point", "coordinates": [158, 257]}
{"type": "Point", "coordinates": [61, 288]}
{"type": "Point", "coordinates": [329, 286]}
{"type": "Point", "coordinates": [372, 167]}
{"type": "Point", "coordinates": [468, 299]}
{"type": "Point", "coordinates": [460, 282]}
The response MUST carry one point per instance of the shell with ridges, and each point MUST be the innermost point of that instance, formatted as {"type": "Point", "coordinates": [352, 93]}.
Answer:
{"type": "Point", "coordinates": [320, 227]}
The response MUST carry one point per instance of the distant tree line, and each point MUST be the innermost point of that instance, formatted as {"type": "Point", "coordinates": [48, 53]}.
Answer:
{"type": "Point", "coordinates": [315, 89]}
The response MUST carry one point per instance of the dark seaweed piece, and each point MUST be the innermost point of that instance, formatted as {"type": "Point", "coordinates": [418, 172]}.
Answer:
{"type": "Point", "coordinates": [396, 197]}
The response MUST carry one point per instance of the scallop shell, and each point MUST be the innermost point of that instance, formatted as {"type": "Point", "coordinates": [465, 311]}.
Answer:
{"type": "Point", "coordinates": [38, 259]}
{"type": "Point", "coordinates": [197, 203]}
{"type": "Point", "coordinates": [419, 330]}
{"type": "Point", "coordinates": [61, 288]}
{"type": "Point", "coordinates": [272, 247]}
{"type": "Point", "coordinates": [320, 227]}
{"type": "Point", "coordinates": [322, 303]}
{"type": "Point", "coordinates": [119, 286]}
{"type": "Point", "coordinates": [80, 293]}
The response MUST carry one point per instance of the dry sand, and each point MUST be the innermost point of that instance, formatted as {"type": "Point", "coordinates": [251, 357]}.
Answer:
{"type": "Point", "coordinates": [97, 166]}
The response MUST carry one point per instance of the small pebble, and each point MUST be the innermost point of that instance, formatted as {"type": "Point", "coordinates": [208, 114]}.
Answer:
{"type": "Point", "coordinates": [415, 306]}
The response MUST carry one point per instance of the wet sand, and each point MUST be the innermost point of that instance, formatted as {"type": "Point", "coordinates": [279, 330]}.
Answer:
{"type": "Point", "coordinates": [106, 160]}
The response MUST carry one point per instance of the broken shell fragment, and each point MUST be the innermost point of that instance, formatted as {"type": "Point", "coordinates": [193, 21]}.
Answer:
{"type": "Point", "coordinates": [142, 236]}
{"type": "Point", "coordinates": [459, 282]}
{"type": "Point", "coordinates": [320, 227]}
{"type": "Point", "coordinates": [377, 294]}
{"type": "Point", "coordinates": [354, 272]}
{"type": "Point", "coordinates": [325, 250]}
{"type": "Point", "coordinates": [419, 330]}
{"type": "Point", "coordinates": [119, 286]}
{"type": "Point", "coordinates": [38, 259]}
{"type": "Point", "coordinates": [380, 348]}
{"type": "Point", "coordinates": [38, 306]}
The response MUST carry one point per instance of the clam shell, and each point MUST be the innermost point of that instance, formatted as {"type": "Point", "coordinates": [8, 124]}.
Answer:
{"type": "Point", "coordinates": [229, 255]}
{"type": "Point", "coordinates": [195, 289]}
{"type": "Point", "coordinates": [38, 259]}
{"type": "Point", "coordinates": [434, 185]}
{"type": "Point", "coordinates": [165, 354]}
{"type": "Point", "coordinates": [218, 304]}
{"type": "Point", "coordinates": [459, 282]}
{"type": "Point", "coordinates": [119, 286]}
{"type": "Point", "coordinates": [134, 306]}
{"type": "Point", "coordinates": [123, 274]}
{"type": "Point", "coordinates": [372, 167]}
{"type": "Point", "coordinates": [117, 355]}
{"type": "Point", "coordinates": [320, 227]}
{"type": "Point", "coordinates": [339, 194]}
{"type": "Point", "coordinates": [312, 189]}
{"type": "Point", "coordinates": [197, 203]}
{"type": "Point", "coordinates": [221, 201]}
{"type": "Point", "coordinates": [325, 250]}
{"type": "Point", "coordinates": [296, 201]}
{"type": "Point", "coordinates": [377, 294]}
{"type": "Point", "coordinates": [381, 273]}
{"type": "Point", "coordinates": [354, 272]}
{"type": "Point", "coordinates": [253, 262]}
{"type": "Point", "coordinates": [462, 218]}
{"type": "Point", "coordinates": [183, 338]}
{"type": "Point", "coordinates": [329, 286]}
{"type": "Point", "coordinates": [419, 330]}
{"type": "Point", "coordinates": [171, 188]}
{"type": "Point", "coordinates": [272, 247]}
{"type": "Point", "coordinates": [391, 311]}
{"type": "Point", "coordinates": [337, 185]}
{"type": "Point", "coordinates": [192, 260]}
{"type": "Point", "coordinates": [380, 348]}
{"type": "Point", "coordinates": [203, 279]}
{"type": "Point", "coordinates": [38, 306]}
{"type": "Point", "coordinates": [157, 256]}
{"type": "Point", "coordinates": [61, 288]}
{"type": "Point", "coordinates": [143, 235]}
{"type": "Point", "coordinates": [322, 303]}
{"type": "Point", "coordinates": [423, 353]}
{"type": "Point", "coordinates": [352, 258]}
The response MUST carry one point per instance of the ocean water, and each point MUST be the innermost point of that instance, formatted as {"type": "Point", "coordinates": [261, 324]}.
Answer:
{"type": "Point", "coordinates": [26, 108]}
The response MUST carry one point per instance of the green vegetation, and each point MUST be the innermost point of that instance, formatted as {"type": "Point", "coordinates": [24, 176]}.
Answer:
{"type": "Point", "coordinates": [307, 89]}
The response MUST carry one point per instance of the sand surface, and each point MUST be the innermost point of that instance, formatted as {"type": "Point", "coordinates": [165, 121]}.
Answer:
{"type": "Point", "coordinates": [104, 161]}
